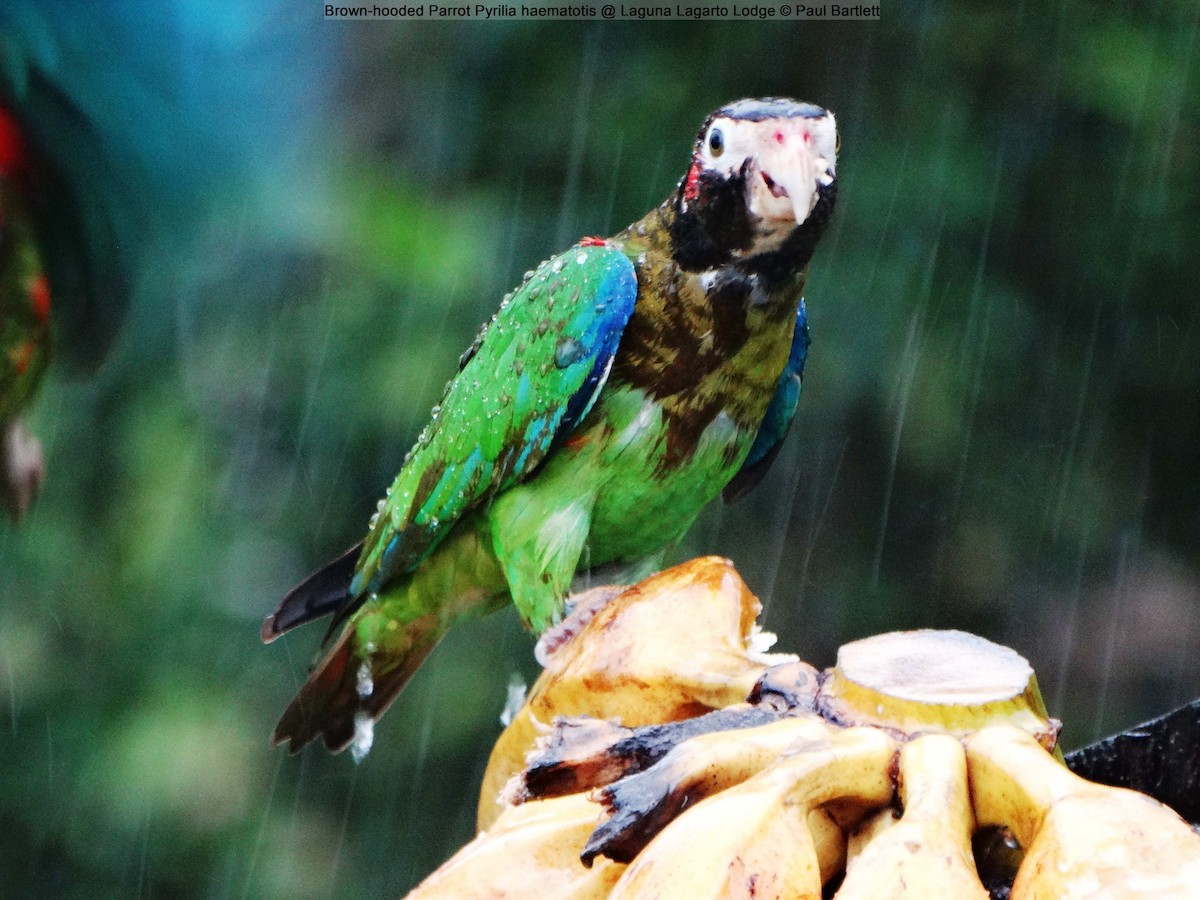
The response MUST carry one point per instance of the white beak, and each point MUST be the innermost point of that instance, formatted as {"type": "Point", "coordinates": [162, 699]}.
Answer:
{"type": "Point", "coordinates": [804, 160]}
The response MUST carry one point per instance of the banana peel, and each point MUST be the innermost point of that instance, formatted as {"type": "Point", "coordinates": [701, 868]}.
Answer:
{"type": "Point", "coordinates": [581, 753]}
{"type": "Point", "coordinates": [642, 804]}
{"type": "Point", "coordinates": [624, 665]}
{"type": "Point", "coordinates": [1081, 839]}
{"type": "Point", "coordinates": [755, 839]}
{"type": "Point", "coordinates": [532, 851]}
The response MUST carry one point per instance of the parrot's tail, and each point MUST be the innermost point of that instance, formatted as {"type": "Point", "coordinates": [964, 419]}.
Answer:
{"type": "Point", "coordinates": [325, 591]}
{"type": "Point", "coordinates": [352, 687]}
{"type": "Point", "coordinates": [388, 636]}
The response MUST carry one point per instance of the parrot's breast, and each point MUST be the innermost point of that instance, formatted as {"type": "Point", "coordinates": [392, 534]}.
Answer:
{"type": "Point", "coordinates": [643, 497]}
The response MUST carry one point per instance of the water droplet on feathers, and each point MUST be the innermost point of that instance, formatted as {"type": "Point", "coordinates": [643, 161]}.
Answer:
{"type": "Point", "coordinates": [567, 351]}
{"type": "Point", "coordinates": [364, 684]}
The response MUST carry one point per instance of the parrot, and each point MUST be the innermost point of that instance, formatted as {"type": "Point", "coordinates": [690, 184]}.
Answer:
{"type": "Point", "coordinates": [24, 323]}
{"type": "Point", "coordinates": [625, 384]}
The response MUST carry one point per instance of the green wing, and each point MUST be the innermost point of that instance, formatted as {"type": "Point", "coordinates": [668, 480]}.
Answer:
{"type": "Point", "coordinates": [529, 378]}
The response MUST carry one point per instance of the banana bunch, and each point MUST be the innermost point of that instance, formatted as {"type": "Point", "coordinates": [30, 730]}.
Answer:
{"type": "Point", "coordinates": [681, 643]}
{"type": "Point", "coordinates": [664, 754]}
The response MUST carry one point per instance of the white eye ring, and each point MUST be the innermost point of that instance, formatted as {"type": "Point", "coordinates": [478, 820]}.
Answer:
{"type": "Point", "coordinates": [716, 142]}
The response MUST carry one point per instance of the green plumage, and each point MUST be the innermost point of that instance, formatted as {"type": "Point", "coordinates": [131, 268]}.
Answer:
{"type": "Point", "coordinates": [613, 396]}
{"type": "Point", "coordinates": [501, 412]}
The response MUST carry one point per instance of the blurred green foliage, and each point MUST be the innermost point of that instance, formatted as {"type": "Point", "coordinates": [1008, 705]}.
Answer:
{"type": "Point", "coordinates": [998, 431]}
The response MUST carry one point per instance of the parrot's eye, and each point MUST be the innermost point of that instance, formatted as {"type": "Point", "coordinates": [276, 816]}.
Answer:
{"type": "Point", "coordinates": [716, 142]}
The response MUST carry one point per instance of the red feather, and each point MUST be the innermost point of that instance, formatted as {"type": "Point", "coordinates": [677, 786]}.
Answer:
{"type": "Point", "coordinates": [14, 153]}
{"type": "Point", "coordinates": [691, 188]}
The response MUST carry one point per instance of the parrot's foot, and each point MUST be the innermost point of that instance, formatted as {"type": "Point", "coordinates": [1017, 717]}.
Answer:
{"type": "Point", "coordinates": [587, 598]}
{"type": "Point", "coordinates": [22, 468]}
{"type": "Point", "coordinates": [580, 610]}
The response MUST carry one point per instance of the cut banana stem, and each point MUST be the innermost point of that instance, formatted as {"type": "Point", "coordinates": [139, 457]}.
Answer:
{"type": "Point", "coordinates": [757, 839]}
{"type": "Point", "coordinates": [1080, 839]}
{"type": "Point", "coordinates": [644, 803]}
{"type": "Point", "coordinates": [950, 681]}
{"type": "Point", "coordinates": [532, 852]}
{"type": "Point", "coordinates": [927, 852]}
{"type": "Point", "coordinates": [582, 753]}
{"type": "Point", "coordinates": [672, 647]}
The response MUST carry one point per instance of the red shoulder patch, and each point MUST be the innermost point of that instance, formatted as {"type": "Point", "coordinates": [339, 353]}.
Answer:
{"type": "Point", "coordinates": [593, 242]}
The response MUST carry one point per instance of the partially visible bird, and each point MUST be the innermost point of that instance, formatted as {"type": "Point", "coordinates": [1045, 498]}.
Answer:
{"type": "Point", "coordinates": [24, 322]}
{"type": "Point", "coordinates": [128, 134]}
{"type": "Point", "coordinates": [616, 392]}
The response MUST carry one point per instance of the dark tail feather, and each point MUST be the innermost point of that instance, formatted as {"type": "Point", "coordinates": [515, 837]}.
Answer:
{"type": "Point", "coordinates": [329, 704]}
{"type": "Point", "coordinates": [323, 592]}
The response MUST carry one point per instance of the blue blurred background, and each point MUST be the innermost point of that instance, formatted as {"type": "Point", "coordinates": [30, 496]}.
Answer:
{"type": "Point", "coordinates": [999, 429]}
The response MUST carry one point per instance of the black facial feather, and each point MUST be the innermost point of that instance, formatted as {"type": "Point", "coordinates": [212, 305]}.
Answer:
{"type": "Point", "coordinates": [708, 229]}
{"type": "Point", "coordinates": [795, 253]}
{"type": "Point", "coordinates": [705, 232]}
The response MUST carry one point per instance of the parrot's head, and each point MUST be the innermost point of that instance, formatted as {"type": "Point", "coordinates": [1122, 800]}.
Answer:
{"type": "Point", "coordinates": [761, 170]}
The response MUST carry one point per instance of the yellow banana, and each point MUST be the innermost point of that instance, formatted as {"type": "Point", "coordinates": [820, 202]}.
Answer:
{"type": "Point", "coordinates": [867, 830]}
{"type": "Point", "coordinates": [1080, 839]}
{"type": "Point", "coordinates": [927, 852]}
{"type": "Point", "coordinates": [678, 644]}
{"type": "Point", "coordinates": [531, 852]}
{"type": "Point", "coordinates": [642, 804]}
{"type": "Point", "coordinates": [756, 839]}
